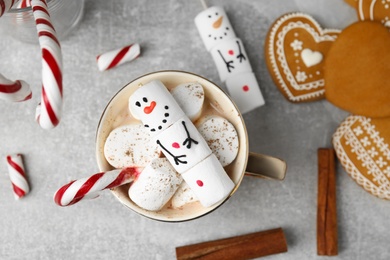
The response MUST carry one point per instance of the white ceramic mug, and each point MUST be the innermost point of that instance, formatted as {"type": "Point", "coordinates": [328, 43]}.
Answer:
{"type": "Point", "coordinates": [245, 163]}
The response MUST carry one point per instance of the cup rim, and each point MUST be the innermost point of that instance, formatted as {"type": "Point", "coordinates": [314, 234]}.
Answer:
{"type": "Point", "coordinates": [242, 125]}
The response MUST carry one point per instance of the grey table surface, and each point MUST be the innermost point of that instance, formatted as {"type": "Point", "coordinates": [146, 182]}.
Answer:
{"type": "Point", "coordinates": [36, 228]}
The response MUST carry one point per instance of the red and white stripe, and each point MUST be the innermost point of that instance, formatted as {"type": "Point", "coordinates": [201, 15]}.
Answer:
{"type": "Point", "coordinates": [5, 5]}
{"type": "Point", "coordinates": [75, 191]}
{"type": "Point", "coordinates": [14, 91]}
{"type": "Point", "coordinates": [17, 175]}
{"type": "Point", "coordinates": [24, 4]}
{"type": "Point", "coordinates": [51, 102]}
{"type": "Point", "coordinates": [117, 57]}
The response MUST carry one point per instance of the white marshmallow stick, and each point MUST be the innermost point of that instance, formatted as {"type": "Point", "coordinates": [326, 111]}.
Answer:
{"type": "Point", "coordinates": [183, 145]}
{"type": "Point", "coordinates": [183, 196]}
{"type": "Point", "coordinates": [155, 107]}
{"type": "Point", "coordinates": [245, 91]}
{"type": "Point", "coordinates": [209, 181]}
{"type": "Point", "coordinates": [214, 26]}
{"type": "Point", "coordinates": [180, 142]}
{"type": "Point", "coordinates": [155, 186]}
{"type": "Point", "coordinates": [229, 55]}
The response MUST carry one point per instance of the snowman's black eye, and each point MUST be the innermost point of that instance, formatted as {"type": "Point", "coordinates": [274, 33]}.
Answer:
{"type": "Point", "coordinates": [216, 13]}
{"type": "Point", "coordinates": [145, 99]}
{"type": "Point", "coordinates": [209, 16]}
{"type": "Point", "coordinates": [137, 104]}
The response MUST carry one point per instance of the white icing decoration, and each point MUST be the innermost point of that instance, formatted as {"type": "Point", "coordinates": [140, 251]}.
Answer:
{"type": "Point", "coordinates": [372, 5]}
{"type": "Point", "coordinates": [360, 9]}
{"type": "Point", "coordinates": [311, 58]}
{"type": "Point", "coordinates": [301, 76]}
{"type": "Point", "coordinates": [296, 45]}
{"type": "Point", "coordinates": [375, 159]}
{"type": "Point", "coordinates": [282, 59]}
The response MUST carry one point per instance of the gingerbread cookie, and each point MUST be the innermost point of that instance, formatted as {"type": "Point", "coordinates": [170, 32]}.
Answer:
{"type": "Point", "coordinates": [374, 10]}
{"type": "Point", "coordinates": [352, 3]}
{"type": "Point", "coordinates": [357, 70]}
{"type": "Point", "coordinates": [363, 148]}
{"type": "Point", "coordinates": [295, 50]}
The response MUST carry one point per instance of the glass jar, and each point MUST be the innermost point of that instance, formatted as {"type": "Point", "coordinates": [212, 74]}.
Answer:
{"type": "Point", "coordinates": [20, 24]}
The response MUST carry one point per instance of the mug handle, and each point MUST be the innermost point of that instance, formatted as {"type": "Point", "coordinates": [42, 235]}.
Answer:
{"type": "Point", "coordinates": [265, 166]}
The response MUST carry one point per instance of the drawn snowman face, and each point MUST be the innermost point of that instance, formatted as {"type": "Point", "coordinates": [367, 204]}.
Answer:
{"type": "Point", "coordinates": [214, 26]}
{"type": "Point", "coordinates": [155, 107]}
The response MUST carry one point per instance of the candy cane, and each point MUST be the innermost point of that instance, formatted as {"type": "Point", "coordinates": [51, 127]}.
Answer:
{"type": "Point", "coordinates": [24, 3]}
{"type": "Point", "coordinates": [75, 191]}
{"type": "Point", "coordinates": [5, 5]}
{"type": "Point", "coordinates": [51, 101]}
{"type": "Point", "coordinates": [117, 57]}
{"type": "Point", "coordinates": [14, 91]}
{"type": "Point", "coordinates": [17, 175]}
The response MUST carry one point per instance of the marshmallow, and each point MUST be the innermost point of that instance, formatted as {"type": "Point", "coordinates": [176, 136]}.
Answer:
{"type": "Point", "coordinates": [183, 145]}
{"type": "Point", "coordinates": [155, 186]}
{"type": "Point", "coordinates": [245, 92]}
{"type": "Point", "coordinates": [209, 181]}
{"type": "Point", "coordinates": [190, 97]}
{"type": "Point", "coordinates": [129, 146]}
{"type": "Point", "coordinates": [214, 26]}
{"type": "Point", "coordinates": [221, 137]}
{"type": "Point", "coordinates": [155, 107]}
{"type": "Point", "coordinates": [183, 195]}
{"type": "Point", "coordinates": [230, 58]}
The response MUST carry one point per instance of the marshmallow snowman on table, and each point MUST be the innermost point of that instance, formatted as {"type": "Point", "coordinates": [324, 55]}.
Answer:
{"type": "Point", "coordinates": [181, 142]}
{"type": "Point", "coordinates": [230, 58]}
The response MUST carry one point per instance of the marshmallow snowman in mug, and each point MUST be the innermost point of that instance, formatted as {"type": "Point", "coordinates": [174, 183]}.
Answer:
{"type": "Point", "coordinates": [245, 162]}
{"type": "Point", "coordinates": [181, 142]}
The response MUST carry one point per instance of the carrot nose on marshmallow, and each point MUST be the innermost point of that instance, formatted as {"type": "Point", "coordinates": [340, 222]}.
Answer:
{"type": "Point", "coordinates": [149, 109]}
{"type": "Point", "coordinates": [218, 23]}
{"type": "Point", "coordinates": [154, 97]}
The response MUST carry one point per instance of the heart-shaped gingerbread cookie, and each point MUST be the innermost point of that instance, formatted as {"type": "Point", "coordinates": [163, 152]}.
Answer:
{"type": "Point", "coordinates": [357, 70]}
{"type": "Point", "coordinates": [363, 148]}
{"type": "Point", "coordinates": [352, 3]}
{"type": "Point", "coordinates": [295, 49]}
{"type": "Point", "coordinates": [374, 10]}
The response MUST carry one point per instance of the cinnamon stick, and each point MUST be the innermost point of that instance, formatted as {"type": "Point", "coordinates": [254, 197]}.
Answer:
{"type": "Point", "coordinates": [326, 207]}
{"type": "Point", "coordinates": [237, 248]}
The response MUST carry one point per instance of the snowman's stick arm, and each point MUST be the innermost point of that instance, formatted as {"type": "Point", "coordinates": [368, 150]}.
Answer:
{"type": "Point", "coordinates": [241, 55]}
{"type": "Point", "coordinates": [176, 158]}
{"type": "Point", "coordinates": [228, 65]}
{"type": "Point", "coordinates": [189, 140]}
